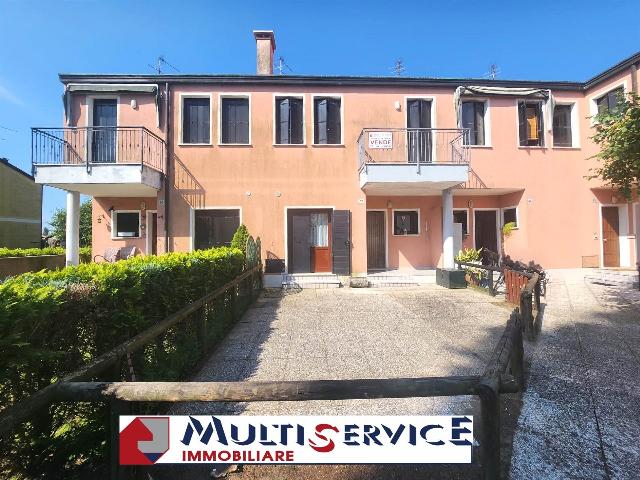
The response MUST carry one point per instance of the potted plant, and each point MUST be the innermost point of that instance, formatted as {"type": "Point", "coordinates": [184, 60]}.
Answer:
{"type": "Point", "coordinates": [473, 276]}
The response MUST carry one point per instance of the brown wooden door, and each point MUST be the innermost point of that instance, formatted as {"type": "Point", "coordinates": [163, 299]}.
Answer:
{"type": "Point", "coordinates": [610, 237]}
{"type": "Point", "coordinates": [485, 230]}
{"type": "Point", "coordinates": [301, 262]}
{"type": "Point", "coordinates": [321, 241]}
{"type": "Point", "coordinates": [376, 245]}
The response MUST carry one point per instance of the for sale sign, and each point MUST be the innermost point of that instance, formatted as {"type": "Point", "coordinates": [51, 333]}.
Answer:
{"type": "Point", "coordinates": [383, 140]}
{"type": "Point", "coordinates": [145, 440]}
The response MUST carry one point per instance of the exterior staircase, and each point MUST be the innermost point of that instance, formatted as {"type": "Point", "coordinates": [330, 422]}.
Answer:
{"type": "Point", "coordinates": [296, 281]}
{"type": "Point", "coordinates": [401, 278]}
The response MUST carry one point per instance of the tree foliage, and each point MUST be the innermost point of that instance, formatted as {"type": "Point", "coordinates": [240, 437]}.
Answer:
{"type": "Point", "coordinates": [618, 136]}
{"type": "Point", "coordinates": [58, 224]}
{"type": "Point", "coordinates": [240, 238]}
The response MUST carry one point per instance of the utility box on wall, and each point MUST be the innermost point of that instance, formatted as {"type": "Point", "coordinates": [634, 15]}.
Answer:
{"type": "Point", "coordinates": [450, 278]}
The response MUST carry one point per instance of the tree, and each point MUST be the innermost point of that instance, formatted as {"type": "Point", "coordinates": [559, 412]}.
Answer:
{"type": "Point", "coordinates": [239, 239]}
{"type": "Point", "coordinates": [618, 136]}
{"type": "Point", "coordinates": [58, 224]}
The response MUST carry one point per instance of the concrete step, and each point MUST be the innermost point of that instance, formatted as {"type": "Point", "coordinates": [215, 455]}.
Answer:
{"type": "Point", "coordinates": [401, 278]}
{"type": "Point", "coordinates": [310, 280]}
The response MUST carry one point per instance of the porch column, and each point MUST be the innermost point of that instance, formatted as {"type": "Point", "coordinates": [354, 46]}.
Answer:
{"type": "Point", "coordinates": [73, 229]}
{"type": "Point", "coordinates": [447, 229]}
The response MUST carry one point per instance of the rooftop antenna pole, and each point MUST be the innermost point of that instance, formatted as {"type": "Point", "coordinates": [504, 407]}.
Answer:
{"type": "Point", "coordinates": [398, 68]}
{"type": "Point", "coordinates": [282, 65]}
{"type": "Point", "coordinates": [160, 62]}
{"type": "Point", "coordinates": [493, 72]}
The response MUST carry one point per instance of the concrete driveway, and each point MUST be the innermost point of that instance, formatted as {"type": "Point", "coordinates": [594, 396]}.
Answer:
{"type": "Point", "coordinates": [355, 333]}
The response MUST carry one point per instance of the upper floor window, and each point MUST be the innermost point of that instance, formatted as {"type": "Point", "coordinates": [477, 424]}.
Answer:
{"type": "Point", "coordinates": [234, 120]}
{"type": "Point", "coordinates": [196, 120]}
{"type": "Point", "coordinates": [609, 101]}
{"type": "Point", "coordinates": [473, 119]}
{"type": "Point", "coordinates": [328, 122]}
{"type": "Point", "coordinates": [562, 136]}
{"type": "Point", "coordinates": [530, 124]}
{"type": "Point", "coordinates": [289, 121]}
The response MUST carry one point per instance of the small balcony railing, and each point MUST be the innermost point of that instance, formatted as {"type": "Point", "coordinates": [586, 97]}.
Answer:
{"type": "Point", "coordinates": [92, 146]}
{"type": "Point", "coordinates": [413, 146]}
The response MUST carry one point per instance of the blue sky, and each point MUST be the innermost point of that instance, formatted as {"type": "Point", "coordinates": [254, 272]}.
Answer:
{"type": "Point", "coordinates": [546, 40]}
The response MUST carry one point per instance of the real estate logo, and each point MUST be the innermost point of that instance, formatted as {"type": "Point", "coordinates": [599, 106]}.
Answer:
{"type": "Point", "coordinates": [295, 439]}
{"type": "Point", "coordinates": [144, 440]}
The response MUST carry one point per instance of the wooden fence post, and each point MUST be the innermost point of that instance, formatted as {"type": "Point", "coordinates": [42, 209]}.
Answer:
{"type": "Point", "coordinates": [488, 391]}
{"type": "Point", "coordinates": [517, 358]}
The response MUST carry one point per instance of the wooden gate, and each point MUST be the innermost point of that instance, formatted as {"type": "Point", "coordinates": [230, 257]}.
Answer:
{"type": "Point", "coordinates": [514, 282]}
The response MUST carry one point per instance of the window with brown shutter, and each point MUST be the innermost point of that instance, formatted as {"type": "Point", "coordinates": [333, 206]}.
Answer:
{"type": "Point", "coordinates": [531, 128]}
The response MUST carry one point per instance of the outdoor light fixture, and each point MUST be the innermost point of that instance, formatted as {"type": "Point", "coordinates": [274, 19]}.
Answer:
{"type": "Point", "coordinates": [134, 103]}
{"type": "Point", "coordinates": [397, 105]}
{"type": "Point", "coordinates": [111, 209]}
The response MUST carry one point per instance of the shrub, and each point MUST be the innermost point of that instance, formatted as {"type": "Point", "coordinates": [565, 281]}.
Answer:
{"type": "Point", "coordinates": [471, 255]}
{"type": "Point", "coordinates": [52, 322]}
{"type": "Point", "coordinates": [85, 254]}
{"type": "Point", "coordinates": [30, 252]}
{"type": "Point", "coordinates": [240, 238]}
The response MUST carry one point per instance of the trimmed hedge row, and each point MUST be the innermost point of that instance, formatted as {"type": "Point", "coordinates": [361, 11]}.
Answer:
{"type": "Point", "coordinates": [85, 252]}
{"type": "Point", "coordinates": [52, 322]}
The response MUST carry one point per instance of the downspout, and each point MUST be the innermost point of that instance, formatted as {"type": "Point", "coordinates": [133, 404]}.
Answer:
{"type": "Point", "coordinates": [168, 176]}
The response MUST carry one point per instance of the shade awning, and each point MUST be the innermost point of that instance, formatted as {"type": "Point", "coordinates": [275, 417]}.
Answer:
{"type": "Point", "coordinates": [101, 88]}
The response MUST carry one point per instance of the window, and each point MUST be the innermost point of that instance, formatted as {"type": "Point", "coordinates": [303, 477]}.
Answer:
{"type": "Point", "coordinates": [196, 120]}
{"type": "Point", "coordinates": [328, 123]}
{"type": "Point", "coordinates": [562, 126]}
{"type": "Point", "coordinates": [461, 216]}
{"type": "Point", "coordinates": [405, 222]}
{"type": "Point", "coordinates": [530, 124]}
{"type": "Point", "coordinates": [473, 119]}
{"type": "Point", "coordinates": [289, 121]}
{"type": "Point", "coordinates": [609, 101]}
{"type": "Point", "coordinates": [214, 228]}
{"type": "Point", "coordinates": [510, 215]}
{"type": "Point", "coordinates": [234, 121]}
{"type": "Point", "coordinates": [125, 224]}
{"type": "Point", "coordinates": [319, 229]}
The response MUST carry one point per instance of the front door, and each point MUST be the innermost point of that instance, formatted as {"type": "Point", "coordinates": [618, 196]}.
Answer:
{"type": "Point", "coordinates": [376, 245]}
{"type": "Point", "coordinates": [610, 237]}
{"type": "Point", "coordinates": [301, 226]}
{"type": "Point", "coordinates": [320, 242]}
{"type": "Point", "coordinates": [103, 135]}
{"type": "Point", "coordinates": [485, 230]}
{"type": "Point", "coordinates": [153, 233]}
{"type": "Point", "coordinates": [419, 139]}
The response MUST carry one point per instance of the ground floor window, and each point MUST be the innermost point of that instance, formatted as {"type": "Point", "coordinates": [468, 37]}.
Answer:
{"type": "Point", "coordinates": [462, 216]}
{"type": "Point", "coordinates": [214, 227]}
{"type": "Point", "coordinates": [125, 224]}
{"type": "Point", "coordinates": [406, 222]}
{"type": "Point", "coordinates": [510, 215]}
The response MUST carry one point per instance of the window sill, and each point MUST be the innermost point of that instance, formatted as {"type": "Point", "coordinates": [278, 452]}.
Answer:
{"type": "Point", "coordinates": [407, 235]}
{"type": "Point", "coordinates": [289, 145]}
{"type": "Point", "coordinates": [479, 146]}
{"type": "Point", "coordinates": [195, 144]}
{"type": "Point", "coordinates": [520, 147]}
{"type": "Point", "coordinates": [566, 148]}
{"type": "Point", "coordinates": [235, 145]}
{"type": "Point", "coordinates": [125, 238]}
{"type": "Point", "coordinates": [328, 145]}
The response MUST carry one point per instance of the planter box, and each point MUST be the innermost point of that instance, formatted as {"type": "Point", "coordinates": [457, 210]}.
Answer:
{"type": "Point", "coordinates": [11, 266]}
{"type": "Point", "coordinates": [450, 278]}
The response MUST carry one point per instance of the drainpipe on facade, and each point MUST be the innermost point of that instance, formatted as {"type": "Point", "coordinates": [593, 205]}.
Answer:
{"type": "Point", "coordinates": [167, 175]}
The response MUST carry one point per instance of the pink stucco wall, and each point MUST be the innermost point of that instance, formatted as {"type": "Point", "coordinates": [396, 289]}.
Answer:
{"type": "Point", "coordinates": [558, 207]}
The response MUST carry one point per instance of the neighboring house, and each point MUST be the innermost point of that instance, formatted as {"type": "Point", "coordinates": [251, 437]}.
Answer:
{"type": "Point", "coordinates": [20, 208]}
{"type": "Point", "coordinates": [342, 174]}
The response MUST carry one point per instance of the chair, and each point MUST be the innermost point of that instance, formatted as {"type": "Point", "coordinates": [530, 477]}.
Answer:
{"type": "Point", "coordinates": [114, 254]}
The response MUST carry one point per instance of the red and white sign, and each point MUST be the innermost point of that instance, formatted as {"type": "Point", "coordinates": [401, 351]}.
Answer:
{"type": "Point", "coordinates": [382, 140]}
{"type": "Point", "coordinates": [146, 440]}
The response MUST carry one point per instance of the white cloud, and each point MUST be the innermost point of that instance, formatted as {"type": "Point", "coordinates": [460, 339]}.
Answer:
{"type": "Point", "coordinates": [7, 95]}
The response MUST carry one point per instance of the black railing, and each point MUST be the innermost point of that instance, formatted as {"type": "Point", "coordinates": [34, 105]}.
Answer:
{"type": "Point", "coordinates": [97, 145]}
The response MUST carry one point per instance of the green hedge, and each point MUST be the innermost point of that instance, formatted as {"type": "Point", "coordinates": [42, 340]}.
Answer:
{"type": "Point", "coordinates": [85, 252]}
{"type": "Point", "coordinates": [52, 322]}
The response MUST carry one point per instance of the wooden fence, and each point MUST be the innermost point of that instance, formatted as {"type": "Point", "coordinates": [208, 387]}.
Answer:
{"type": "Point", "coordinates": [514, 281]}
{"type": "Point", "coordinates": [502, 374]}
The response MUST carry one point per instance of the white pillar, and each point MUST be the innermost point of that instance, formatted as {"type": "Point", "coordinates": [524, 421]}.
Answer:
{"type": "Point", "coordinates": [73, 228]}
{"type": "Point", "coordinates": [447, 229]}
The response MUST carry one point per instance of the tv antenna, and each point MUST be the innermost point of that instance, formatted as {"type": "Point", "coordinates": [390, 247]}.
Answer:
{"type": "Point", "coordinates": [160, 64]}
{"type": "Point", "coordinates": [282, 66]}
{"type": "Point", "coordinates": [398, 68]}
{"type": "Point", "coordinates": [493, 72]}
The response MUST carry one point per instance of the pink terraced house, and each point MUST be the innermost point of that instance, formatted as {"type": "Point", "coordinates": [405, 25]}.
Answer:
{"type": "Point", "coordinates": [341, 175]}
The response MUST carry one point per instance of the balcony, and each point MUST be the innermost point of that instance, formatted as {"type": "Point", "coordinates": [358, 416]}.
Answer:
{"type": "Point", "coordinates": [99, 161]}
{"type": "Point", "coordinates": [412, 161]}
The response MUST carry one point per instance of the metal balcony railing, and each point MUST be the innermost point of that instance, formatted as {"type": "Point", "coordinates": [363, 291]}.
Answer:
{"type": "Point", "coordinates": [91, 146]}
{"type": "Point", "coordinates": [414, 146]}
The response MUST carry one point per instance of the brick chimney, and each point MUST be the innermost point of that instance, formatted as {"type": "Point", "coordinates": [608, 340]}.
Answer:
{"type": "Point", "coordinates": [265, 48]}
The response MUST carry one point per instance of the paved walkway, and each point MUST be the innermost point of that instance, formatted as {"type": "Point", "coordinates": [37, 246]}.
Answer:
{"type": "Point", "coordinates": [580, 415]}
